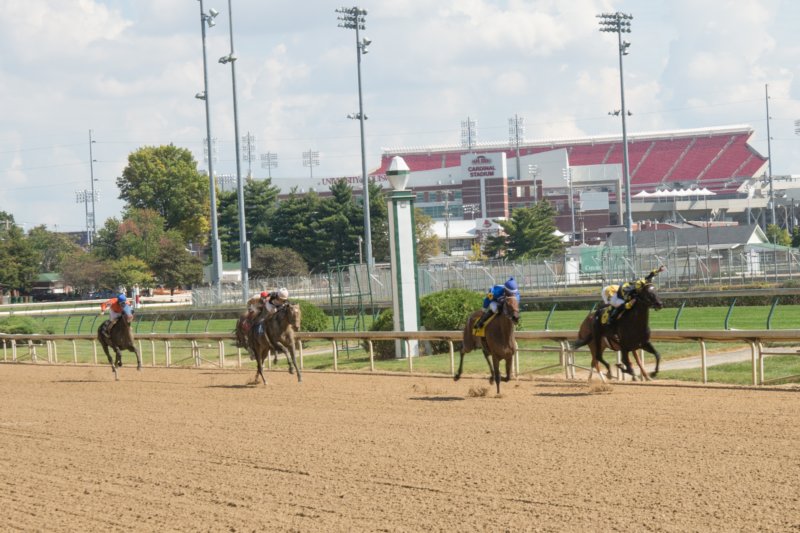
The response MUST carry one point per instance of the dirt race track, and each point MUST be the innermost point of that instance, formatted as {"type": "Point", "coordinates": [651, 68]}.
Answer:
{"type": "Point", "coordinates": [169, 449]}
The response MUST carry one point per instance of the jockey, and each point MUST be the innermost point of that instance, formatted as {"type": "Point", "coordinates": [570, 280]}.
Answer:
{"type": "Point", "coordinates": [494, 299]}
{"type": "Point", "coordinates": [626, 293]}
{"type": "Point", "coordinates": [116, 308]}
{"type": "Point", "coordinates": [275, 299]}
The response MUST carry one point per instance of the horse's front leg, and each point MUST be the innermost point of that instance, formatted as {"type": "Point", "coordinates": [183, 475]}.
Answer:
{"type": "Point", "coordinates": [119, 356]}
{"type": "Point", "coordinates": [138, 359]}
{"type": "Point", "coordinates": [293, 363]}
{"type": "Point", "coordinates": [637, 356]}
{"type": "Point", "coordinates": [626, 366]}
{"type": "Point", "coordinates": [648, 346]}
{"type": "Point", "coordinates": [110, 360]}
{"type": "Point", "coordinates": [492, 376]}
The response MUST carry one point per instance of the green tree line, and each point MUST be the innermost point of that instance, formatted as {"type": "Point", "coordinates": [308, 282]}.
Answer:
{"type": "Point", "coordinates": [165, 223]}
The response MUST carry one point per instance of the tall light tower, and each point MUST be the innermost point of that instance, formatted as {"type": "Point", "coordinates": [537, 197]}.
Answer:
{"type": "Point", "coordinates": [94, 197]}
{"type": "Point", "coordinates": [269, 161]}
{"type": "Point", "coordinates": [85, 197]}
{"type": "Point", "coordinates": [354, 18]}
{"type": "Point", "coordinates": [244, 245]}
{"type": "Point", "coordinates": [311, 160]}
{"type": "Point", "coordinates": [516, 134]}
{"type": "Point", "coordinates": [469, 133]}
{"type": "Point", "coordinates": [620, 23]}
{"type": "Point", "coordinates": [216, 263]}
{"type": "Point", "coordinates": [769, 159]}
{"type": "Point", "coordinates": [249, 142]}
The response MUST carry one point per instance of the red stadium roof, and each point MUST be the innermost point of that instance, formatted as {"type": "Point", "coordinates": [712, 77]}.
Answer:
{"type": "Point", "coordinates": [711, 157]}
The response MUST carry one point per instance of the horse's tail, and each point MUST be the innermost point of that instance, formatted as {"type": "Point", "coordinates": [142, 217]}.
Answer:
{"type": "Point", "coordinates": [468, 339]}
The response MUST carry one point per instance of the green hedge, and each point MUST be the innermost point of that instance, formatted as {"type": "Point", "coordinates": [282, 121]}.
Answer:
{"type": "Point", "coordinates": [440, 311]}
{"type": "Point", "coordinates": [23, 325]}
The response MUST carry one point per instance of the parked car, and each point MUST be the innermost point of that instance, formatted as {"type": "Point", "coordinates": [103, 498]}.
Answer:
{"type": "Point", "coordinates": [103, 294]}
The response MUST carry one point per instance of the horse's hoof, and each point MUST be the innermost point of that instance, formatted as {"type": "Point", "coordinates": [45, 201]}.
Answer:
{"type": "Point", "coordinates": [119, 363]}
{"type": "Point", "coordinates": [456, 377]}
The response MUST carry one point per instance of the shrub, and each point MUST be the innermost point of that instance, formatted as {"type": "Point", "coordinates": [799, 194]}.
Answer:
{"type": "Point", "coordinates": [440, 311]}
{"type": "Point", "coordinates": [23, 325]}
{"type": "Point", "coordinates": [313, 318]}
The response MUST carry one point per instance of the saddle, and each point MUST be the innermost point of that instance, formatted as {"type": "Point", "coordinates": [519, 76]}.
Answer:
{"type": "Point", "coordinates": [481, 332]}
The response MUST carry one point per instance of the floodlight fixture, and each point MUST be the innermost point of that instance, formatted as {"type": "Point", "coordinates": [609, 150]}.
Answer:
{"type": "Point", "coordinates": [620, 23]}
{"type": "Point", "coordinates": [201, 95]}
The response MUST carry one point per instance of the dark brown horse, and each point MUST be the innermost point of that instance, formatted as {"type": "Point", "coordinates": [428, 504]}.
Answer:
{"type": "Point", "coordinates": [120, 338]}
{"type": "Point", "coordinates": [275, 332]}
{"type": "Point", "coordinates": [255, 306]}
{"type": "Point", "coordinates": [498, 341]}
{"type": "Point", "coordinates": [628, 333]}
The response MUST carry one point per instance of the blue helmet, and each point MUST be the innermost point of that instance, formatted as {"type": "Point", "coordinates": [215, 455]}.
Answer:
{"type": "Point", "coordinates": [121, 298]}
{"type": "Point", "coordinates": [511, 284]}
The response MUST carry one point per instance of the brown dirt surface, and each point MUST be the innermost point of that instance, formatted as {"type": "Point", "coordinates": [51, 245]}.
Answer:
{"type": "Point", "coordinates": [188, 450]}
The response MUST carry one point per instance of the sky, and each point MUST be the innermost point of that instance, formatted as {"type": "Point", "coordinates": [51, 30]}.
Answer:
{"type": "Point", "coordinates": [128, 71]}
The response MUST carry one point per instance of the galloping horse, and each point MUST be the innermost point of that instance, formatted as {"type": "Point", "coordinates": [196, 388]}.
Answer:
{"type": "Point", "coordinates": [498, 340]}
{"type": "Point", "coordinates": [628, 333]}
{"type": "Point", "coordinates": [255, 306]}
{"type": "Point", "coordinates": [120, 338]}
{"type": "Point", "coordinates": [276, 332]}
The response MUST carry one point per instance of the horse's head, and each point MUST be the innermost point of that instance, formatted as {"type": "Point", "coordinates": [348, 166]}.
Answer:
{"type": "Point", "coordinates": [648, 296]}
{"type": "Point", "coordinates": [511, 307]}
{"type": "Point", "coordinates": [292, 315]}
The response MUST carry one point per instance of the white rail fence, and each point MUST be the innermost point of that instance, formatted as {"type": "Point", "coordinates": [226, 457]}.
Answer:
{"type": "Point", "coordinates": [199, 350]}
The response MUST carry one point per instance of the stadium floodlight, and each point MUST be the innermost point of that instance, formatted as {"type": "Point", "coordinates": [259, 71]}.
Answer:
{"type": "Point", "coordinates": [269, 161]}
{"type": "Point", "coordinates": [244, 245]}
{"type": "Point", "coordinates": [354, 18]}
{"type": "Point", "coordinates": [311, 160]}
{"type": "Point", "coordinates": [516, 134]}
{"type": "Point", "coordinates": [216, 260]}
{"type": "Point", "coordinates": [620, 23]}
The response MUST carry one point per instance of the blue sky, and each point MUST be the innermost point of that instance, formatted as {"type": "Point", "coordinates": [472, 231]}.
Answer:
{"type": "Point", "coordinates": [129, 70]}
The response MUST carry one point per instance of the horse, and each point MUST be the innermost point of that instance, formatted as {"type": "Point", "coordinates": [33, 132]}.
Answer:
{"type": "Point", "coordinates": [498, 340]}
{"type": "Point", "coordinates": [276, 332]}
{"type": "Point", "coordinates": [119, 338]}
{"type": "Point", "coordinates": [255, 306]}
{"type": "Point", "coordinates": [628, 333]}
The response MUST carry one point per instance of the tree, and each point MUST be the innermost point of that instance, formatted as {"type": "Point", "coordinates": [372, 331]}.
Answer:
{"type": "Point", "coordinates": [51, 247]}
{"type": "Point", "coordinates": [778, 235]}
{"type": "Point", "coordinates": [273, 262]}
{"type": "Point", "coordinates": [260, 201]}
{"type": "Point", "coordinates": [105, 242]}
{"type": "Point", "coordinates": [128, 272]}
{"type": "Point", "coordinates": [85, 272]}
{"type": "Point", "coordinates": [175, 266]}
{"type": "Point", "coordinates": [295, 225]}
{"type": "Point", "coordinates": [379, 222]}
{"type": "Point", "coordinates": [139, 234]}
{"type": "Point", "coordinates": [166, 179]}
{"type": "Point", "coordinates": [427, 241]}
{"type": "Point", "coordinates": [529, 233]}
{"type": "Point", "coordinates": [19, 261]}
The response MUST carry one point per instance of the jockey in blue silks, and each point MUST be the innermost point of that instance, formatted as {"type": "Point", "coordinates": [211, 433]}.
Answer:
{"type": "Point", "coordinates": [494, 299]}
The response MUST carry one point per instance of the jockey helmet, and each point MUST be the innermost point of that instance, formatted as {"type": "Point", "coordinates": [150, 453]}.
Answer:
{"type": "Point", "coordinates": [121, 298]}
{"type": "Point", "coordinates": [264, 294]}
{"type": "Point", "coordinates": [283, 293]}
{"type": "Point", "coordinates": [511, 284]}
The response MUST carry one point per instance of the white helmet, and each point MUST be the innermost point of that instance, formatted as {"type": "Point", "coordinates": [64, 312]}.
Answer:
{"type": "Point", "coordinates": [283, 293]}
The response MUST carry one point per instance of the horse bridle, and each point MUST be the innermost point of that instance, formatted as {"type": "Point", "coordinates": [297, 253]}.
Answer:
{"type": "Point", "coordinates": [647, 295]}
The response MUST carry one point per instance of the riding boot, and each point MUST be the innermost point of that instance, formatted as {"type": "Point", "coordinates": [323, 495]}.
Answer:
{"type": "Point", "coordinates": [615, 313]}
{"type": "Point", "coordinates": [482, 320]}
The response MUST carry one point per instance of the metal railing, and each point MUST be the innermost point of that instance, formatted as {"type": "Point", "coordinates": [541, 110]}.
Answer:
{"type": "Point", "coordinates": [20, 348]}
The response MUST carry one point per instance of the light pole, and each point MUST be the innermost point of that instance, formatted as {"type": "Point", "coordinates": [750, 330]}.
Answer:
{"type": "Point", "coordinates": [311, 160]}
{"type": "Point", "coordinates": [84, 197]}
{"type": "Point", "coordinates": [469, 133]}
{"type": "Point", "coordinates": [533, 172]}
{"type": "Point", "coordinates": [354, 18]}
{"type": "Point", "coordinates": [91, 177]}
{"type": "Point", "coordinates": [216, 264]}
{"type": "Point", "coordinates": [447, 216]}
{"type": "Point", "coordinates": [269, 161]}
{"type": "Point", "coordinates": [620, 23]}
{"type": "Point", "coordinates": [769, 159]}
{"type": "Point", "coordinates": [516, 133]}
{"type": "Point", "coordinates": [249, 142]}
{"type": "Point", "coordinates": [567, 172]}
{"type": "Point", "coordinates": [244, 246]}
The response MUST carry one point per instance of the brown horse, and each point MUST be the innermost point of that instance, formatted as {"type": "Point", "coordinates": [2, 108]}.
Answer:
{"type": "Point", "coordinates": [255, 306]}
{"type": "Point", "coordinates": [276, 332]}
{"type": "Point", "coordinates": [628, 333]}
{"type": "Point", "coordinates": [120, 338]}
{"type": "Point", "coordinates": [498, 340]}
